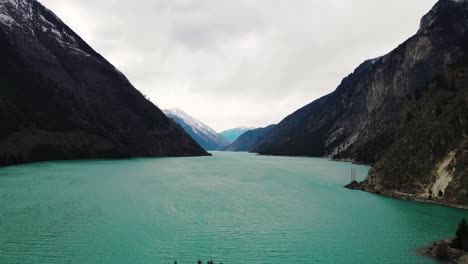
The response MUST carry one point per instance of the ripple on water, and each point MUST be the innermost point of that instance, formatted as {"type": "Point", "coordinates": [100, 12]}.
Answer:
{"type": "Point", "coordinates": [232, 207]}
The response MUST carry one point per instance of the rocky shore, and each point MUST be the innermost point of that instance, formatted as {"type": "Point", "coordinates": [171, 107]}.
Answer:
{"type": "Point", "coordinates": [442, 250]}
{"type": "Point", "coordinates": [354, 185]}
{"type": "Point", "coordinates": [361, 186]}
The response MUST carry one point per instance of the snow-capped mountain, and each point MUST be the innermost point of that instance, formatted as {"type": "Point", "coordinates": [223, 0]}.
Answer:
{"type": "Point", "coordinates": [29, 18]}
{"type": "Point", "coordinates": [203, 134]}
{"type": "Point", "coordinates": [60, 99]}
{"type": "Point", "coordinates": [232, 134]}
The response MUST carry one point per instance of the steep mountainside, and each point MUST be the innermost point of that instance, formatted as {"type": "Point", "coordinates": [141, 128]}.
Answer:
{"type": "Point", "coordinates": [232, 134]}
{"type": "Point", "coordinates": [405, 112]}
{"type": "Point", "coordinates": [248, 139]}
{"type": "Point", "coordinates": [203, 134]}
{"type": "Point", "coordinates": [62, 100]}
{"type": "Point", "coordinates": [429, 157]}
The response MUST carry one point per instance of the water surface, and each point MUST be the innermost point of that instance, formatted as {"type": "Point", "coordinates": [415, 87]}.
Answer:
{"type": "Point", "coordinates": [232, 207]}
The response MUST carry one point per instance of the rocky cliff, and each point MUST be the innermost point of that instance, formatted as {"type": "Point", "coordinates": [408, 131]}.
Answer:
{"type": "Point", "coordinates": [404, 112]}
{"type": "Point", "coordinates": [429, 156]}
{"type": "Point", "coordinates": [61, 100]}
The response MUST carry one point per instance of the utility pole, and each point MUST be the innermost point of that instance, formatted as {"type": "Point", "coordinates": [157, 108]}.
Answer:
{"type": "Point", "coordinates": [353, 174]}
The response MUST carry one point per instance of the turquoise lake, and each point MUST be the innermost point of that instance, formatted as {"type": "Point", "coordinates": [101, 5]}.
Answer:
{"type": "Point", "coordinates": [231, 208]}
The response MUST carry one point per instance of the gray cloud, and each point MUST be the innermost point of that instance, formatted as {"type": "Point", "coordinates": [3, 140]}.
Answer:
{"type": "Point", "coordinates": [240, 63]}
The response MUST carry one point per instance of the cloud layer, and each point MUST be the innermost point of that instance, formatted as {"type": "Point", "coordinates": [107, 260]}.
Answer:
{"type": "Point", "coordinates": [244, 62]}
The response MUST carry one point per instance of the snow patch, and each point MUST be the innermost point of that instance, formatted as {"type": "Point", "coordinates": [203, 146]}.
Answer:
{"type": "Point", "coordinates": [199, 127]}
{"type": "Point", "coordinates": [56, 33]}
{"type": "Point", "coordinates": [19, 11]}
{"type": "Point", "coordinates": [14, 3]}
{"type": "Point", "coordinates": [62, 37]}
{"type": "Point", "coordinates": [7, 20]}
{"type": "Point", "coordinates": [20, 14]}
{"type": "Point", "coordinates": [373, 61]}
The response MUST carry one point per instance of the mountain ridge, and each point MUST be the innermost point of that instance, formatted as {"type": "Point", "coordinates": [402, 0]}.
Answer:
{"type": "Point", "coordinates": [200, 132]}
{"type": "Point", "coordinates": [233, 133]}
{"type": "Point", "coordinates": [245, 141]}
{"type": "Point", "coordinates": [361, 120]}
{"type": "Point", "coordinates": [79, 106]}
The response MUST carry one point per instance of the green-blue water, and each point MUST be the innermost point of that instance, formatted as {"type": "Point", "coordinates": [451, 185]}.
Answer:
{"type": "Point", "coordinates": [232, 207]}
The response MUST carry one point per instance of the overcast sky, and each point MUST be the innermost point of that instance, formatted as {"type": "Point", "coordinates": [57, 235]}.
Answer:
{"type": "Point", "coordinates": [236, 63]}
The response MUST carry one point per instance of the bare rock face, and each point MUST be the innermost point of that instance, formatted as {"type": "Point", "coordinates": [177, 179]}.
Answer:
{"type": "Point", "coordinates": [62, 100]}
{"type": "Point", "coordinates": [442, 250]}
{"type": "Point", "coordinates": [404, 112]}
{"type": "Point", "coordinates": [429, 155]}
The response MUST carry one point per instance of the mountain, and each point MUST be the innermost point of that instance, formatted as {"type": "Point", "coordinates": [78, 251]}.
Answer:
{"type": "Point", "coordinates": [60, 99]}
{"type": "Point", "coordinates": [245, 141]}
{"type": "Point", "coordinates": [232, 134]}
{"type": "Point", "coordinates": [201, 133]}
{"type": "Point", "coordinates": [405, 113]}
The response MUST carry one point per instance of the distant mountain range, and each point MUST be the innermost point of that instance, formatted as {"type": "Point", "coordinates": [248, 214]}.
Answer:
{"type": "Point", "coordinates": [203, 134]}
{"type": "Point", "coordinates": [60, 99]}
{"type": "Point", "coordinates": [246, 141]}
{"type": "Point", "coordinates": [406, 113]}
{"type": "Point", "coordinates": [243, 137]}
{"type": "Point", "coordinates": [232, 134]}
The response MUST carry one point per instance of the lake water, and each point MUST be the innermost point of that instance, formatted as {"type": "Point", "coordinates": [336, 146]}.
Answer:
{"type": "Point", "coordinates": [232, 207]}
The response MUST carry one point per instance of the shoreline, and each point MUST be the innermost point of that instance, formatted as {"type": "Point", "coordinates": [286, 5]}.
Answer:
{"type": "Point", "coordinates": [386, 193]}
{"type": "Point", "coordinates": [403, 196]}
{"type": "Point", "coordinates": [439, 250]}
{"type": "Point", "coordinates": [412, 198]}
{"type": "Point", "coordinates": [103, 159]}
